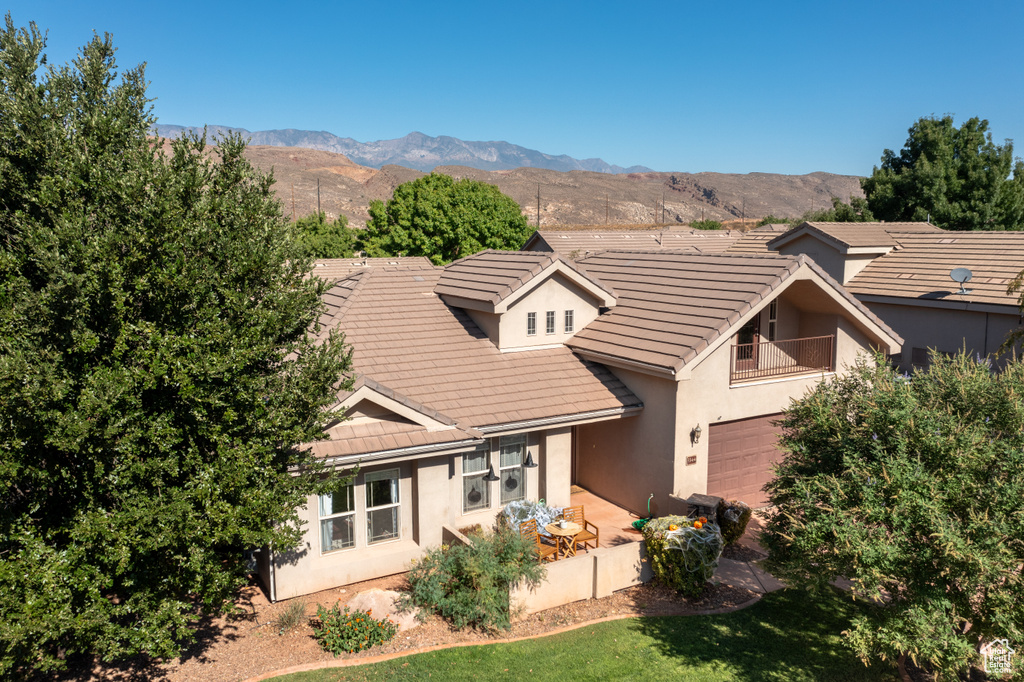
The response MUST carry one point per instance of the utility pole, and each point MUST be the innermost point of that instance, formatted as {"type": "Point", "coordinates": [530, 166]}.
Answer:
{"type": "Point", "coordinates": [605, 209]}
{"type": "Point", "coordinates": [662, 208]}
{"type": "Point", "coordinates": [318, 198]}
{"type": "Point", "coordinates": [538, 205]}
{"type": "Point", "coordinates": [743, 211]}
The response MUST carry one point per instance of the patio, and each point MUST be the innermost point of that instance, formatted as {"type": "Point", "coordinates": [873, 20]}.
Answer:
{"type": "Point", "coordinates": [614, 523]}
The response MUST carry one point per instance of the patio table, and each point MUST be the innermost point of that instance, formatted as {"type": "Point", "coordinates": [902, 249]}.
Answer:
{"type": "Point", "coordinates": [565, 537]}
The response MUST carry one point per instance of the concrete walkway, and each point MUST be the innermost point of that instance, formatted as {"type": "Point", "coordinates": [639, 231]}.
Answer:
{"type": "Point", "coordinates": [748, 574]}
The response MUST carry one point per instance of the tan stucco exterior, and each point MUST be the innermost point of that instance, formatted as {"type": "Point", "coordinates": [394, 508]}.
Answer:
{"type": "Point", "coordinates": [842, 266]}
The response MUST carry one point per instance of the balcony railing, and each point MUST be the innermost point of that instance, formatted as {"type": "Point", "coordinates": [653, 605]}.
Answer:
{"type": "Point", "coordinates": [770, 359]}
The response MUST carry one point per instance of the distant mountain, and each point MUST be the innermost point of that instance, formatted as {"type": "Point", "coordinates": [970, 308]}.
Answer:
{"type": "Point", "coordinates": [415, 150]}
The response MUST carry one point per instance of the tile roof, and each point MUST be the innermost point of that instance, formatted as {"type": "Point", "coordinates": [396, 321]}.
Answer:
{"type": "Point", "coordinates": [756, 240]}
{"type": "Point", "coordinates": [367, 437]}
{"type": "Point", "coordinates": [673, 306]}
{"type": "Point", "coordinates": [919, 267]}
{"type": "Point", "coordinates": [493, 276]}
{"type": "Point", "coordinates": [406, 338]}
{"type": "Point", "coordinates": [333, 269]}
{"type": "Point", "coordinates": [853, 235]}
{"type": "Point", "coordinates": [578, 243]}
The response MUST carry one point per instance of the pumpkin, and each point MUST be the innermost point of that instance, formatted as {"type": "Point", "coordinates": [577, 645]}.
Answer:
{"type": "Point", "coordinates": [673, 527]}
{"type": "Point", "coordinates": [698, 524]}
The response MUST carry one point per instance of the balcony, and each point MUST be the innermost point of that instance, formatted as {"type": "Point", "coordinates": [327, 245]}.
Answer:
{"type": "Point", "coordinates": [774, 359]}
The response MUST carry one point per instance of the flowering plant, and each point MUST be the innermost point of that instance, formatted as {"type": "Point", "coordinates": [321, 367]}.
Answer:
{"type": "Point", "coordinates": [342, 631]}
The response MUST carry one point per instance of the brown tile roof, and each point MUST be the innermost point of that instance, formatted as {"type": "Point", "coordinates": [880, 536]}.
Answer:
{"type": "Point", "coordinates": [578, 244]}
{"type": "Point", "coordinates": [366, 437]}
{"type": "Point", "coordinates": [673, 306]}
{"type": "Point", "coordinates": [406, 338]}
{"type": "Point", "coordinates": [857, 234]}
{"type": "Point", "coordinates": [333, 269]}
{"type": "Point", "coordinates": [493, 276]}
{"type": "Point", "coordinates": [919, 267]}
{"type": "Point", "coordinates": [756, 240]}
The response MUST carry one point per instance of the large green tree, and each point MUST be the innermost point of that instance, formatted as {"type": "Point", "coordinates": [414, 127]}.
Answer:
{"type": "Point", "coordinates": [318, 237]}
{"type": "Point", "coordinates": [444, 219]}
{"type": "Point", "coordinates": [157, 369]}
{"type": "Point", "coordinates": [856, 211]}
{"type": "Point", "coordinates": [956, 177]}
{"type": "Point", "coordinates": [912, 488]}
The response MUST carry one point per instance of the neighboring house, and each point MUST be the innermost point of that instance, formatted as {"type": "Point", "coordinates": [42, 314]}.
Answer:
{"type": "Point", "coordinates": [511, 375]}
{"type": "Point", "coordinates": [756, 240]}
{"type": "Point", "coordinates": [902, 272]}
{"type": "Point", "coordinates": [333, 269]}
{"type": "Point", "coordinates": [575, 243]}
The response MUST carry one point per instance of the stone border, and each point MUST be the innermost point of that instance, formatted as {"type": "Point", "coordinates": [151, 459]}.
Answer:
{"type": "Point", "coordinates": [350, 662]}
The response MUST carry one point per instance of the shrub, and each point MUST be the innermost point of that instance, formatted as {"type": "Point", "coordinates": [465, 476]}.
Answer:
{"type": "Point", "coordinates": [706, 225]}
{"type": "Point", "coordinates": [733, 517]}
{"type": "Point", "coordinates": [293, 615]}
{"type": "Point", "coordinates": [683, 552]}
{"type": "Point", "coordinates": [516, 512]}
{"type": "Point", "coordinates": [342, 631]}
{"type": "Point", "coordinates": [469, 586]}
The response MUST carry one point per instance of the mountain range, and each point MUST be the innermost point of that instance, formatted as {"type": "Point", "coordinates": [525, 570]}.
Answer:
{"type": "Point", "coordinates": [415, 150]}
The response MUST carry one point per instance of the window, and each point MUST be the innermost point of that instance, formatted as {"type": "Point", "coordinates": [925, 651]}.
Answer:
{"type": "Point", "coordinates": [382, 508]}
{"type": "Point", "coordinates": [513, 476]}
{"type": "Point", "coordinates": [773, 316]}
{"type": "Point", "coordinates": [550, 327]}
{"type": "Point", "coordinates": [569, 322]}
{"type": "Point", "coordinates": [475, 490]}
{"type": "Point", "coordinates": [338, 519]}
{"type": "Point", "coordinates": [531, 324]}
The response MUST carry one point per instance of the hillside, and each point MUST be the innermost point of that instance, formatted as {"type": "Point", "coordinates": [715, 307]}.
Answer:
{"type": "Point", "coordinates": [566, 198]}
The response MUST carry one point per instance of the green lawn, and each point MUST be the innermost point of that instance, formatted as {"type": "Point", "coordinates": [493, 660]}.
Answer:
{"type": "Point", "coordinates": [787, 636]}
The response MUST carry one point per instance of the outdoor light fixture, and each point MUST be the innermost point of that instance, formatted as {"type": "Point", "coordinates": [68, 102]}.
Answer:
{"type": "Point", "coordinates": [490, 477]}
{"type": "Point", "coordinates": [695, 434]}
{"type": "Point", "coordinates": [530, 464]}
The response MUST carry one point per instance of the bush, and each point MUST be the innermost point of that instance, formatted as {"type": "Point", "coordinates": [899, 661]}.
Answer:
{"type": "Point", "coordinates": [706, 225]}
{"type": "Point", "coordinates": [524, 510]}
{"type": "Point", "coordinates": [469, 586]}
{"type": "Point", "coordinates": [342, 631]}
{"type": "Point", "coordinates": [293, 615]}
{"type": "Point", "coordinates": [733, 517]}
{"type": "Point", "coordinates": [683, 552]}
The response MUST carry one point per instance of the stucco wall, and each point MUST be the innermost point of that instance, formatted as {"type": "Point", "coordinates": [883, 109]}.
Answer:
{"type": "Point", "coordinates": [557, 294]}
{"type": "Point", "coordinates": [828, 258]}
{"type": "Point", "coordinates": [626, 460]}
{"type": "Point", "coordinates": [945, 329]}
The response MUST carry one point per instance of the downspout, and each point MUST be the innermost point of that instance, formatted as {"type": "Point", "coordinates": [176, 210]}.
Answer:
{"type": "Point", "coordinates": [273, 576]}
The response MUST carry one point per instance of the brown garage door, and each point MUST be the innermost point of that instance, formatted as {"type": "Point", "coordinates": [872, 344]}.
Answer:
{"type": "Point", "coordinates": [740, 455]}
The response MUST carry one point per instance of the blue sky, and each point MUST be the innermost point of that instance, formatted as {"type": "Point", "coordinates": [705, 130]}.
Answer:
{"type": "Point", "coordinates": [784, 87]}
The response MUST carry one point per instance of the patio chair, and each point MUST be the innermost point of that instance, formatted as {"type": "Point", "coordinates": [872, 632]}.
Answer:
{"type": "Point", "coordinates": [590, 535]}
{"type": "Point", "coordinates": [545, 552]}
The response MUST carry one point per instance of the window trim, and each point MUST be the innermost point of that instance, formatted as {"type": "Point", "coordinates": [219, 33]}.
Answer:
{"type": "Point", "coordinates": [517, 439]}
{"type": "Point", "coordinates": [485, 486]}
{"type": "Point", "coordinates": [569, 321]}
{"type": "Point", "coordinates": [531, 324]}
{"type": "Point", "coordinates": [351, 487]}
{"type": "Point", "coordinates": [384, 474]}
{"type": "Point", "coordinates": [549, 322]}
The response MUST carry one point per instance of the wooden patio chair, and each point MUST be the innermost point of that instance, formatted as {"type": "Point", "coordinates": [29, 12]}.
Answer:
{"type": "Point", "coordinates": [590, 535]}
{"type": "Point", "coordinates": [545, 552]}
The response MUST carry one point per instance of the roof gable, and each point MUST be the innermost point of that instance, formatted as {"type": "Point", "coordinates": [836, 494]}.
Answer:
{"type": "Point", "coordinates": [875, 237]}
{"type": "Point", "coordinates": [492, 281]}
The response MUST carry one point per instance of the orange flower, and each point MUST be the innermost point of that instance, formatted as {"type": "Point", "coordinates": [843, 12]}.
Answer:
{"type": "Point", "coordinates": [697, 524]}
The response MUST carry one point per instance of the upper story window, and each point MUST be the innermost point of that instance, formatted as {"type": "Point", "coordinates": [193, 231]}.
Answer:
{"type": "Point", "coordinates": [383, 520]}
{"type": "Point", "coordinates": [570, 322]}
{"type": "Point", "coordinates": [550, 322]}
{"type": "Point", "coordinates": [338, 519]}
{"type": "Point", "coordinates": [531, 324]}
{"type": "Point", "coordinates": [512, 453]}
{"type": "Point", "coordinates": [773, 317]}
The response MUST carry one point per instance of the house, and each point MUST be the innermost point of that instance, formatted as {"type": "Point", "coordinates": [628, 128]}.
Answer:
{"type": "Point", "coordinates": [511, 375]}
{"type": "Point", "coordinates": [756, 240]}
{"type": "Point", "coordinates": [579, 242]}
{"type": "Point", "coordinates": [903, 273]}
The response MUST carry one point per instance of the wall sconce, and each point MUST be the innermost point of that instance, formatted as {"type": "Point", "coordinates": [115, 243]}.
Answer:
{"type": "Point", "coordinates": [490, 477]}
{"type": "Point", "coordinates": [530, 464]}
{"type": "Point", "coordinates": [695, 434]}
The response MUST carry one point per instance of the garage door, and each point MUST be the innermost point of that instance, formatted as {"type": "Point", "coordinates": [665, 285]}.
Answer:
{"type": "Point", "coordinates": [740, 455]}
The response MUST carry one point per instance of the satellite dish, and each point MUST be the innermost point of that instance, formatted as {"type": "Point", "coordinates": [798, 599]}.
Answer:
{"type": "Point", "coordinates": [961, 275]}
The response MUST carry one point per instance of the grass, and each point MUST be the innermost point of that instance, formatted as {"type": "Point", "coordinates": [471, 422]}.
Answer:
{"type": "Point", "coordinates": [788, 636]}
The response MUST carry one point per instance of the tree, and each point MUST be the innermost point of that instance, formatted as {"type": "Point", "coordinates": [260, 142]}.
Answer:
{"type": "Point", "coordinates": [444, 219]}
{"type": "Point", "coordinates": [318, 238]}
{"type": "Point", "coordinates": [912, 488]}
{"type": "Point", "coordinates": [956, 177]}
{"type": "Point", "coordinates": [772, 220]}
{"type": "Point", "coordinates": [705, 225]}
{"type": "Point", "coordinates": [157, 369]}
{"type": "Point", "coordinates": [856, 211]}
